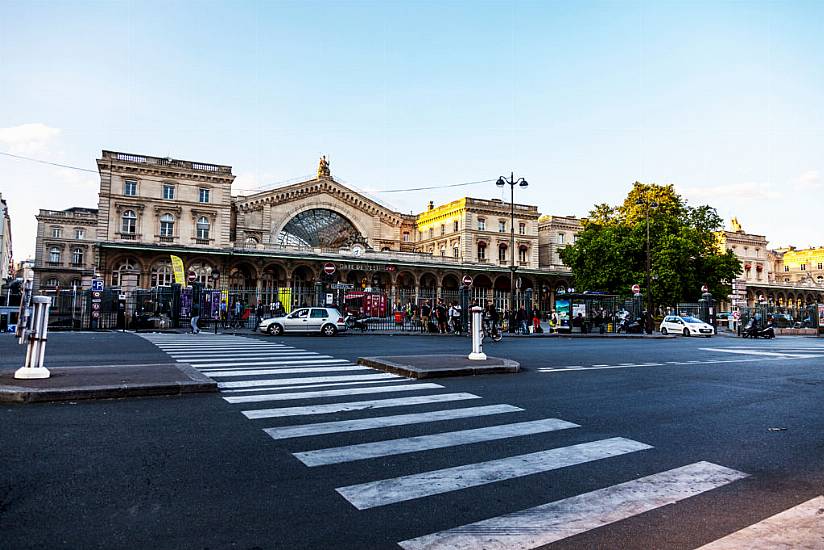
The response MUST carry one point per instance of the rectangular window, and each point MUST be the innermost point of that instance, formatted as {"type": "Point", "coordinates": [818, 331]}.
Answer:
{"type": "Point", "coordinates": [79, 234]}
{"type": "Point", "coordinates": [481, 224]}
{"type": "Point", "coordinates": [820, 265]}
{"type": "Point", "coordinates": [560, 238]}
{"type": "Point", "coordinates": [481, 252]}
{"type": "Point", "coordinates": [522, 228]}
{"type": "Point", "coordinates": [130, 188]}
{"type": "Point", "coordinates": [786, 268]}
{"type": "Point", "coordinates": [803, 267]}
{"type": "Point", "coordinates": [168, 191]}
{"type": "Point", "coordinates": [443, 230]}
{"type": "Point", "coordinates": [431, 232]}
{"type": "Point", "coordinates": [204, 195]}
{"type": "Point", "coordinates": [455, 225]}
{"type": "Point", "coordinates": [406, 236]}
{"type": "Point", "coordinates": [522, 255]}
{"type": "Point", "coordinates": [501, 227]}
{"type": "Point", "coordinates": [456, 252]}
{"type": "Point", "coordinates": [56, 232]}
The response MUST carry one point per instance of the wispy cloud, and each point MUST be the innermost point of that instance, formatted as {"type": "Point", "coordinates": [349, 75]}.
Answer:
{"type": "Point", "coordinates": [27, 138]}
{"type": "Point", "coordinates": [809, 181]}
{"type": "Point", "coordinates": [739, 191]}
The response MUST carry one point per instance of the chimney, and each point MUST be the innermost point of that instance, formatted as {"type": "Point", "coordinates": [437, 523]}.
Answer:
{"type": "Point", "coordinates": [431, 205]}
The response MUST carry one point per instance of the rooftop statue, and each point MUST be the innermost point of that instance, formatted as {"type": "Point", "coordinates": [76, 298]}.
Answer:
{"type": "Point", "coordinates": [736, 227]}
{"type": "Point", "coordinates": [323, 168]}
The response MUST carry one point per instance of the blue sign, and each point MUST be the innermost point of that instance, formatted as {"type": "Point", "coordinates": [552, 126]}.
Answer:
{"type": "Point", "coordinates": [97, 285]}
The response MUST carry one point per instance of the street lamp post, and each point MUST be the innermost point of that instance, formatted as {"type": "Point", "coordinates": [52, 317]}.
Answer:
{"type": "Point", "coordinates": [512, 268]}
{"type": "Point", "coordinates": [648, 204]}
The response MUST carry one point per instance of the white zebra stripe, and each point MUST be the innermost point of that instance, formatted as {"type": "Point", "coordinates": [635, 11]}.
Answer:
{"type": "Point", "coordinates": [332, 384]}
{"type": "Point", "coordinates": [558, 520]}
{"type": "Point", "coordinates": [400, 489]}
{"type": "Point", "coordinates": [281, 370]}
{"type": "Point", "coordinates": [404, 445]}
{"type": "Point", "coordinates": [303, 380]}
{"type": "Point", "coordinates": [328, 393]}
{"type": "Point", "coordinates": [342, 426]}
{"type": "Point", "coordinates": [358, 405]}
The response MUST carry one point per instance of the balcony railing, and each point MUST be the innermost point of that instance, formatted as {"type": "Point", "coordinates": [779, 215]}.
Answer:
{"type": "Point", "coordinates": [54, 264]}
{"type": "Point", "coordinates": [166, 239]}
{"type": "Point", "coordinates": [170, 162]}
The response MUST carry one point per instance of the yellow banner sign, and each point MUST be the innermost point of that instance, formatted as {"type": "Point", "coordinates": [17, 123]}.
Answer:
{"type": "Point", "coordinates": [177, 267]}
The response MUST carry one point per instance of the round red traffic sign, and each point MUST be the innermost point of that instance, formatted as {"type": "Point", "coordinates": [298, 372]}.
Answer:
{"type": "Point", "coordinates": [636, 289]}
{"type": "Point", "coordinates": [192, 276]}
{"type": "Point", "coordinates": [467, 280]}
{"type": "Point", "coordinates": [329, 268]}
{"type": "Point", "coordinates": [704, 288]}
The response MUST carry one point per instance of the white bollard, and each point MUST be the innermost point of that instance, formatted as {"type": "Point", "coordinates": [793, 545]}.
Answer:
{"type": "Point", "coordinates": [36, 350]}
{"type": "Point", "coordinates": [477, 340]}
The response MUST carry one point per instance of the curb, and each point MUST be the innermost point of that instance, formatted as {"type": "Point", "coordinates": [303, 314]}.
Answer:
{"type": "Point", "coordinates": [504, 366]}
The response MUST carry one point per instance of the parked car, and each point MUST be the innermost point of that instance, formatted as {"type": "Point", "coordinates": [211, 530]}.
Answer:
{"type": "Point", "coordinates": [686, 325]}
{"type": "Point", "coordinates": [322, 320]}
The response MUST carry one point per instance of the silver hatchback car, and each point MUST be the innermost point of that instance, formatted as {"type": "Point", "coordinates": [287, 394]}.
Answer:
{"type": "Point", "coordinates": [320, 320]}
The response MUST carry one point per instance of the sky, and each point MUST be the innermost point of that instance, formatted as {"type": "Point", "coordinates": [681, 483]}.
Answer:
{"type": "Point", "coordinates": [721, 99]}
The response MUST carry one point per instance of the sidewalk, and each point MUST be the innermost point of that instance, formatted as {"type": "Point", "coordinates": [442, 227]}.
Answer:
{"type": "Point", "coordinates": [105, 382]}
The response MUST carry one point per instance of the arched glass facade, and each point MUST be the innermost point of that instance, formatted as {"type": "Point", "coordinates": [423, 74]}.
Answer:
{"type": "Point", "coordinates": [318, 228]}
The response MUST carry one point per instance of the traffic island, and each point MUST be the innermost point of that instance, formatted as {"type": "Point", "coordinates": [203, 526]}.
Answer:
{"type": "Point", "coordinates": [439, 366]}
{"type": "Point", "coordinates": [105, 382]}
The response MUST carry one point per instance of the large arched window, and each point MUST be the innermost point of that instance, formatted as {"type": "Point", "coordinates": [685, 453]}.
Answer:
{"type": "Point", "coordinates": [167, 226]}
{"type": "Point", "coordinates": [126, 265]}
{"type": "Point", "coordinates": [129, 223]}
{"type": "Point", "coordinates": [53, 283]}
{"type": "Point", "coordinates": [202, 228]}
{"type": "Point", "coordinates": [320, 228]}
{"type": "Point", "coordinates": [77, 256]}
{"type": "Point", "coordinates": [54, 255]}
{"type": "Point", "coordinates": [162, 274]}
{"type": "Point", "coordinates": [203, 273]}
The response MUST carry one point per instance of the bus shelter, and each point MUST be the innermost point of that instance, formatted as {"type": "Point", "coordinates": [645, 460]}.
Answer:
{"type": "Point", "coordinates": [589, 312]}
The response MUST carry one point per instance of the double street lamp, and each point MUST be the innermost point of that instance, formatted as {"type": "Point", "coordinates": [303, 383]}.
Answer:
{"type": "Point", "coordinates": [648, 204]}
{"type": "Point", "coordinates": [512, 267]}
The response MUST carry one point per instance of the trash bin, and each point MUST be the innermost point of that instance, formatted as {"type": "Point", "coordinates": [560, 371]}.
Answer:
{"type": "Point", "coordinates": [398, 317]}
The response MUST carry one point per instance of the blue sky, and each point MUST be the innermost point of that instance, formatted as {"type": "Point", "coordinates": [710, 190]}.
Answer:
{"type": "Point", "coordinates": [721, 99]}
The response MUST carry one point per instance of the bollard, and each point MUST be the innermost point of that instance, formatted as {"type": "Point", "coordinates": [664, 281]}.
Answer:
{"type": "Point", "coordinates": [477, 339]}
{"type": "Point", "coordinates": [36, 351]}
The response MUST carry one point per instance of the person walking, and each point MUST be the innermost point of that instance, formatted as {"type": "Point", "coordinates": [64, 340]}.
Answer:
{"type": "Point", "coordinates": [455, 317]}
{"type": "Point", "coordinates": [426, 311]}
{"type": "Point", "coordinates": [195, 318]}
{"type": "Point", "coordinates": [441, 317]}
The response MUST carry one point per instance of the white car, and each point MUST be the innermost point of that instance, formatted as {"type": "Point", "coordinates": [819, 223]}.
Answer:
{"type": "Point", "coordinates": [322, 320]}
{"type": "Point", "coordinates": [688, 326]}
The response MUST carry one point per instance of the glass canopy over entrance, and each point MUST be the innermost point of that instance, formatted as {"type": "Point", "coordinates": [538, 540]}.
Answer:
{"type": "Point", "coordinates": [318, 228]}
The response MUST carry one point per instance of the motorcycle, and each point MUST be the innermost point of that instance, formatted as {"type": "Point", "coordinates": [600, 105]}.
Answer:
{"type": "Point", "coordinates": [752, 331]}
{"type": "Point", "coordinates": [354, 322]}
{"type": "Point", "coordinates": [631, 327]}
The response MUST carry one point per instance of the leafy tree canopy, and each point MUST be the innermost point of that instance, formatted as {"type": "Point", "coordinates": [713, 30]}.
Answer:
{"type": "Point", "coordinates": [610, 253]}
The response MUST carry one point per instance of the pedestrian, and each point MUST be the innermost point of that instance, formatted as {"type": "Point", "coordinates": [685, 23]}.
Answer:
{"type": "Point", "coordinates": [442, 317]}
{"type": "Point", "coordinates": [520, 319]}
{"type": "Point", "coordinates": [238, 310]}
{"type": "Point", "coordinates": [224, 314]}
{"type": "Point", "coordinates": [195, 318]}
{"type": "Point", "coordinates": [426, 311]}
{"type": "Point", "coordinates": [536, 321]}
{"type": "Point", "coordinates": [455, 317]}
{"type": "Point", "coordinates": [553, 322]}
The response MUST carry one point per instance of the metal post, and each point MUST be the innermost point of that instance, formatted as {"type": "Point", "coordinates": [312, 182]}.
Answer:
{"type": "Point", "coordinates": [477, 340]}
{"type": "Point", "coordinates": [649, 269]}
{"type": "Point", "coordinates": [36, 351]}
{"type": "Point", "coordinates": [511, 319]}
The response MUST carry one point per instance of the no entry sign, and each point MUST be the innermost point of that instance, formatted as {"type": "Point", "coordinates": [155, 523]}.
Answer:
{"type": "Point", "coordinates": [329, 268]}
{"type": "Point", "coordinates": [467, 280]}
{"type": "Point", "coordinates": [636, 289]}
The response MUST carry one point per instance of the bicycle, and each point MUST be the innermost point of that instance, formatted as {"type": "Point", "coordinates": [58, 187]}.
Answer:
{"type": "Point", "coordinates": [490, 329]}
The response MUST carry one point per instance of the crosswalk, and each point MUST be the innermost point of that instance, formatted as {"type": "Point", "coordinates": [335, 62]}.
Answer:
{"type": "Point", "coordinates": [307, 394]}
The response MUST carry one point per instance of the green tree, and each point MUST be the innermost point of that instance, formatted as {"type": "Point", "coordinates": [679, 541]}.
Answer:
{"type": "Point", "coordinates": [610, 253]}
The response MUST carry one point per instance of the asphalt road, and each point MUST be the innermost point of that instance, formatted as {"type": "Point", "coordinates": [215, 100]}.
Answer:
{"type": "Point", "coordinates": [195, 472]}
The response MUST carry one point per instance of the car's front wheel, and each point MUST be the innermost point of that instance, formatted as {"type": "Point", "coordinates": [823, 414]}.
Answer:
{"type": "Point", "coordinates": [275, 329]}
{"type": "Point", "coordinates": [329, 330]}
{"type": "Point", "coordinates": [664, 331]}
{"type": "Point", "coordinates": [686, 332]}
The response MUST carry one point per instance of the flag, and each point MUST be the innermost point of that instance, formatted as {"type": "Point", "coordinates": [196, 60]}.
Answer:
{"type": "Point", "coordinates": [177, 267]}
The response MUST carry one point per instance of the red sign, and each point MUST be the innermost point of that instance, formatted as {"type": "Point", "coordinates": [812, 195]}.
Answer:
{"type": "Point", "coordinates": [636, 289]}
{"type": "Point", "coordinates": [704, 288]}
{"type": "Point", "coordinates": [192, 276]}
{"type": "Point", "coordinates": [467, 280]}
{"type": "Point", "coordinates": [391, 268]}
{"type": "Point", "coordinates": [329, 268]}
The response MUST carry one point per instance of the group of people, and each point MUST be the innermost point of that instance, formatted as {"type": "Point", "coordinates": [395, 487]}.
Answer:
{"type": "Point", "coordinates": [440, 318]}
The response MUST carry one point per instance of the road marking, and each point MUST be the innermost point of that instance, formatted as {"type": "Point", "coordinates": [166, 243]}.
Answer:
{"type": "Point", "coordinates": [276, 369]}
{"type": "Point", "coordinates": [194, 358]}
{"type": "Point", "coordinates": [310, 386]}
{"type": "Point", "coordinates": [760, 353]}
{"type": "Point", "coordinates": [561, 519]}
{"type": "Point", "coordinates": [321, 428]}
{"type": "Point", "coordinates": [358, 405]}
{"type": "Point", "coordinates": [799, 527]}
{"type": "Point", "coordinates": [400, 489]}
{"type": "Point", "coordinates": [224, 349]}
{"type": "Point", "coordinates": [390, 447]}
{"type": "Point", "coordinates": [294, 362]}
{"type": "Point", "coordinates": [303, 380]}
{"type": "Point", "coordinates": [291, 396]}
{"type": "Point", "coordinates": [693, 363]}
{"type": "Point", "coordinates": [600, 365]}
{"type": "Point", "coordinates": [228, 373]}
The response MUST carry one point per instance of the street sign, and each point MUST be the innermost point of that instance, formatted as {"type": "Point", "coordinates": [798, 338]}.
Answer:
{"type": "Point", "coordinates": [467, 280]}
{"type": "Point", "coordinates": [705, 288]}
{"type": "Point", "coordinates": [636, 289]}
{"type": "Point", "coordinates": [95, 315]}
{"type": "Point", "coordinates": [391, 268]}
{"type": "Point", "coordinates": [343, 286]}
{"type": "Point", "coordinates": [96, 296]}
{"type": "Point", "coordinates": [97, 285]}
{"type": "Point", "coordinates": [330, 298]}
{"type": "Point", "coordinates": [736, 315]}
{"type": "Point", "coordinates": [192, 276]}
{"type": "Point", "coordinates": [95, 307]}
{"type": "Point", "coordinates": [329, 268]}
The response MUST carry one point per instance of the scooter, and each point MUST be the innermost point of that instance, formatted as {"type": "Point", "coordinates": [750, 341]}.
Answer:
{"type": "Point", "coordinates": [751, 331]}
{"type": "Point", "coordinates": [355, 322]}
{"type": "Point", "coordinates": [631, 327]}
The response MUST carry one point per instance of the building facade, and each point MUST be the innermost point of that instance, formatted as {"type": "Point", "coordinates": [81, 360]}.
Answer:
{"type": "Point", "coordinates": [300, 241]}
{"type": "Point", "coordinates": [64, 255]}
{"type": "Point", "coordinates": [554, 234]}
{"type": "Point", "coordinates": [6, 257]}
